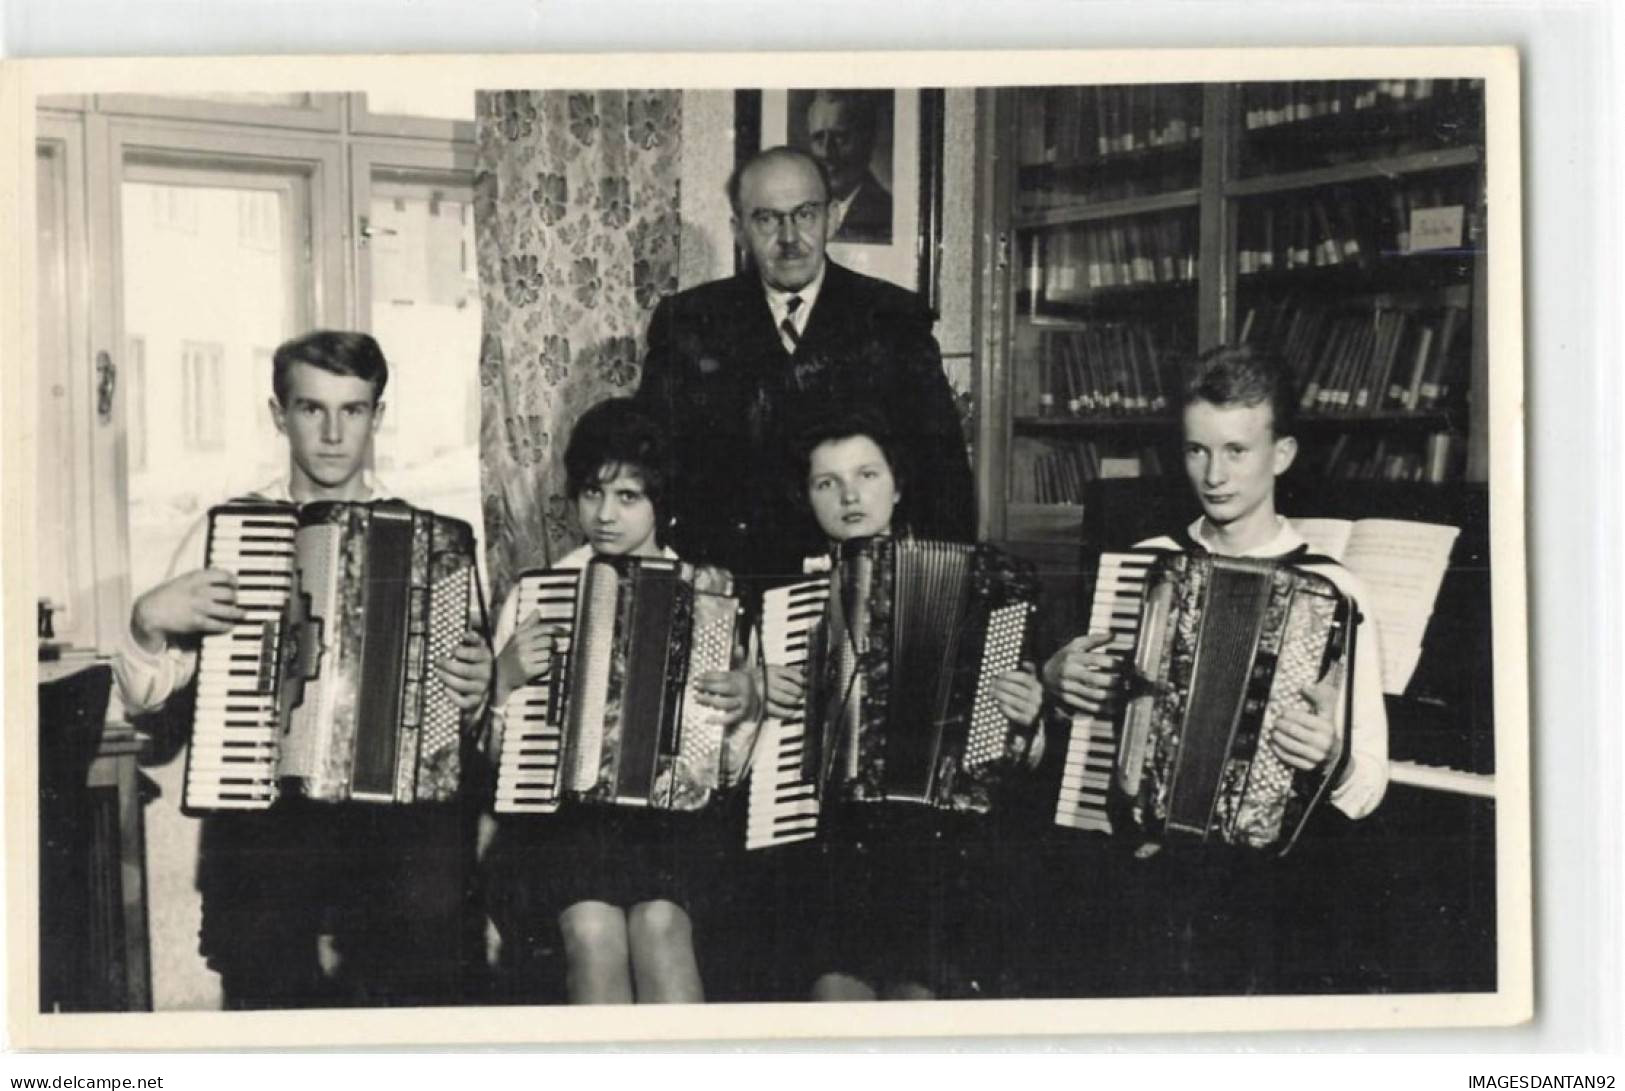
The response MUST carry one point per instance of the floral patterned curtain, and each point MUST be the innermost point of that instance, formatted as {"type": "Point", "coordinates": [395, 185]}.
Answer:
{"type": "Point", "coordinates": [576, 217]}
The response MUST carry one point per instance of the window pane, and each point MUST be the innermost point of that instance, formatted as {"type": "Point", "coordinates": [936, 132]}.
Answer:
{"type": "Point", "coordinates": [212, 275]}
{"type": "Point", "coordinates": [426, 317]}
{"type": "Point", "coordinates": [55, 496]}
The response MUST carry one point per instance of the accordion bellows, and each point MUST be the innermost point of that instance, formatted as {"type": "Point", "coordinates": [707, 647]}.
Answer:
{"type": "Point", "coordinates": [901, 698]}
{"type": "Point", "coordinates": [1223, 647]}
{"type": "Point", "coordinates": [616, 721]}
{"type": "Point", "coordinates": [328, 689]}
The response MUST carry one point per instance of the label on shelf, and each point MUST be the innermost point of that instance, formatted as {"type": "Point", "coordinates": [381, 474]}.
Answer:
{"type": "Point", "coordinates": [1436, 228]}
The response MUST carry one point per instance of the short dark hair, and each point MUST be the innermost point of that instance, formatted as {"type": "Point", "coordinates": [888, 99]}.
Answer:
{"type": "Point", "coordinates": [846, 424]}
{"type": "Point", "coordinates": [1244, 375]}
{"type": "Point", "coordinates": [340, 352]}
{"type": "Point", "coordinates": [777, 152]}
{"type": "Point", "coordinates": [616, 434]}
{"type": "Point", "coordinates": [863, 107]}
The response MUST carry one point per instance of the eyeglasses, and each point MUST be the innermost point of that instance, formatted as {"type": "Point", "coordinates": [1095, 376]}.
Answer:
{"type": "Point", "coordinates": [766, 221]}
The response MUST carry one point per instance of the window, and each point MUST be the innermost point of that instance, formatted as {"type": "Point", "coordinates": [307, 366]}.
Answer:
{"type": "Point", "coordinates": [259, 221]}
{"type": "Point", "coordinates": [259, 376]}
{"type": "Point", "coordinates": [234, 226]}
{"type": "Point", "coordinates": [135, 420]}
{"type": "Point", "coordinates": [426, 317]}
{"type": "Point", "coordinates": [205, 306]}
{"type": "Point", "coordinates": [174, 209]}
{"type": "Point", "coordinates": [202, 403]}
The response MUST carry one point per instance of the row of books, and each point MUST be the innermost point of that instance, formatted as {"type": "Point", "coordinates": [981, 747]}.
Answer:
{"type": "Point", "coordinates": [1057, 473]}
{"type": "Point", "coordinates": [1063, 126]}
{"type": "Point", "coordinates": [1065, 265]}
{"type": "Point", "coordinates": [1102, 369]}
{"type": "Point", "coordinates": [1356, 225]}
{"type": "Point", "coordinates": [1387, 360]}
{"type": "Point", "coordinates": [1434, 459]}
{"type": "Point", "coordinates": [1265, 105]}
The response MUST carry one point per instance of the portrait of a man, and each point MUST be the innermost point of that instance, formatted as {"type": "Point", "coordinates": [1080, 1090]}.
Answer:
{"type": "Point", "coordinates": [850, 133]}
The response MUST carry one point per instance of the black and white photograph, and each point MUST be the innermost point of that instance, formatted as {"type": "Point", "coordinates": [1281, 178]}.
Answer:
{"type": "Point", "coordinates": [850, 132]}
{"type": "Point", "coordinates": [522, 544]}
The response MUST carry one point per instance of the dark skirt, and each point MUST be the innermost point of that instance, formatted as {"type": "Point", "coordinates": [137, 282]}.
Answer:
{"type": "Point", "coordinates": [539, 865]}
{"type": "Point", "coordinates": [903, 894]}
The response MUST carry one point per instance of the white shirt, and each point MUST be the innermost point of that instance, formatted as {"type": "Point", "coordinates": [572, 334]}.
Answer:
{"type": "Point", "coordinates": [1365, 779]}
{"type": "Point", "coordinates": [838, 208]}
{"type": "Point", "coordinates": [147, 679]}
{"type": "Point", "coordinates": [779, 303]}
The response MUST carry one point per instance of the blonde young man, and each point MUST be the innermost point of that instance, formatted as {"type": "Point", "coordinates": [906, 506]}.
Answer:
{"type": "Point", "coordinates": [1236, 924]}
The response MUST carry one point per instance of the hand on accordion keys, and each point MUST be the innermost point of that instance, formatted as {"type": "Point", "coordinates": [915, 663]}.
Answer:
{"type": "Point", "coordinates": [1307, 738]}
{"type": "Point", "coordinates": [204, 601]}
{"type": "Point", "coordinates": [785, 689]}
{"type": "Point", "coordinates": [467, 674]}
{"type": "Point", "coordinates": [1085, 677]}
{"type": "Point", "coordinates": [527, 656]}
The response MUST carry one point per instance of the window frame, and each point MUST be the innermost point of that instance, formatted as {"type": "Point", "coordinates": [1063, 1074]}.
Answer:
{"type": "Point", "coordinates": [91, 605]}
{"type": "Point", "coordinates": [336, 145]}
{"type": "Point", "coordinates": [130, 148]}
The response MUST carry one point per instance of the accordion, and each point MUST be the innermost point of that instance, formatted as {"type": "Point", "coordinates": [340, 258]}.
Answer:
{"type": "Point", "coordinates": [1220, 648]}
{"type": "Point", "coordinates": [616, 720]}
{"type": "Point", "coordinates": [909, 638]}
{"type": "Point", "coordinates": [326, 689]}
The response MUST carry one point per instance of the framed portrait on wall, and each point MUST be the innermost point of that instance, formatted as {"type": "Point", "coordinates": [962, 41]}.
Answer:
{"type": "Point", "coordinates": [883, 152]}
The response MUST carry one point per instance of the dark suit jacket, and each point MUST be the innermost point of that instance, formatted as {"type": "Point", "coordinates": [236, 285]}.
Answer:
{"type": "Point", "coordinates": [869, 217]}
{"type": "Point", "coordinates": [734, 401]}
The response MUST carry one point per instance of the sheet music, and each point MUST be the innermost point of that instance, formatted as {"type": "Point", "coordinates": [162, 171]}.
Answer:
{"type": "Point", "coordinates": [1328, 536]}
{"type": "Point", "coordinates": [1402, 565]}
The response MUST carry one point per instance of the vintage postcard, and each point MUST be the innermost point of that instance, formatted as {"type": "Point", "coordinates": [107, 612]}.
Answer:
{"type": "Point", "coordinates": [521, 546]}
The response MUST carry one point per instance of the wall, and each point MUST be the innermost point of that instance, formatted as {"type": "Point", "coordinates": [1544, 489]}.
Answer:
{"type": "Point", "coordinates": [958, 236]}
{"type": "Point", "coordinates": [707, 249]}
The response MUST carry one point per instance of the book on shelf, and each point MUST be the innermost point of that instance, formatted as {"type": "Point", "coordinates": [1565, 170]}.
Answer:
{"type": "Point", "coordinates": [1099, 369]}
{"type": "Point", "coordinates": [1067, 264]}
{"type": "Point", "coordinates": [1267, 105]}
{"type": "Point", "coordinates": [1351, 224]}
{"type": "Point", "coordinates": [1388, 358]}
{"type": "Point", "coordinates": [1401, 565]}
{"type": "Point", "coordinates": [1067, 126]}
{"type": "Point", "coordinates": [1033, 147]}
{"type": "Point", "coordinates": [1352, 456]}
{"type": "Point", "coordinates": [1436, 382]}
{"type": "Point", "coordinates": [1056, 473]}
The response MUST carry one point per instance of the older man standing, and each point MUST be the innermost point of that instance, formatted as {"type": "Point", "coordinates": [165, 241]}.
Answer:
{"type": "Point", "coordinates": [738, 368]}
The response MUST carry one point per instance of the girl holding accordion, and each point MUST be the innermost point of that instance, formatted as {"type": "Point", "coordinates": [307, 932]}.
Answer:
{"type": "Point", "coordinates": [891, 895]}
{"type": "Point", "coordinates": [621, 883]}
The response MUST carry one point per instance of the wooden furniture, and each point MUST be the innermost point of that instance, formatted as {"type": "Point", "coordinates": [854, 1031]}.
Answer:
{"type": "Point", "coordinates": [94, 952]}
{"type": "Point", "coordinates": [1124, 228]}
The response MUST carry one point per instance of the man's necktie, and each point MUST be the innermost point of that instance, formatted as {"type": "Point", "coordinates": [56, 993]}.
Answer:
{"type": "Point", "coordinates": [787, 329]}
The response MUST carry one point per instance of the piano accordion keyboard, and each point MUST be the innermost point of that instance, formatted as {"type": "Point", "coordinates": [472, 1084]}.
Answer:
{"type": "Point", "coordinates": [782, 807]}
{"type": "Point", "coordinates": [1091, 754]}
{"type": "Point", "coordinates": [531, 749]}
{"type": "Point", "coordinates": [231, 758]}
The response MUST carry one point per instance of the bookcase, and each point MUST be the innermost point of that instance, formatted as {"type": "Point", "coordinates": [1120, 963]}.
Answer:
{"type": "Point", "coordinates": [1124, 228]}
